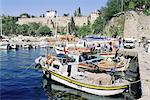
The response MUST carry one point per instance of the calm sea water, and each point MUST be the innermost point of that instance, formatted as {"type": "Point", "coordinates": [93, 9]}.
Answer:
{"type": "Point", "coordinates": [17, 79]}
{"type": "Point", "coordinates": [20, 81]}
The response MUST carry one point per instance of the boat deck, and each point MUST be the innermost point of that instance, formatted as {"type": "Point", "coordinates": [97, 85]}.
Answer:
{"type": "Point", "coordinates": [93, 79]}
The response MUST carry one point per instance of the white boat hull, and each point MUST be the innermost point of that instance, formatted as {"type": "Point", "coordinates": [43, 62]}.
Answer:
{"type": "Point", "coordinates": [3, 47]}
{"type": "Point", "coordinates": [13, 46]}
{"type": "Point", "coordinates": [59, 51]}
{"type": "Point", "coordinates": [97, 92]}
{"type": "Point", "coordinates": [85, 89]}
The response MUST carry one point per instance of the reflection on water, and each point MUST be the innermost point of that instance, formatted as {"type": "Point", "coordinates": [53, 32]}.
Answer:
{"type": "Point", "coordinates": [56, 91]}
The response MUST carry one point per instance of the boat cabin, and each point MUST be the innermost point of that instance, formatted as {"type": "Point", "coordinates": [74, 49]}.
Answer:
{"type": "Point", "coordinates": [62, 66]}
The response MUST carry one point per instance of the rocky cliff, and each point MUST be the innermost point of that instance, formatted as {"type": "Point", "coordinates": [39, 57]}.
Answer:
{"type": "Point", "coordinates": [129, 24]}
{"type": "Point", "coordinates": [136, 25]}
{"type": "Point", "coordinates": [115, 26]}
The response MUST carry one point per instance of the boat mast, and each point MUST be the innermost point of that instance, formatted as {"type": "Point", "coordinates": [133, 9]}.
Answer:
{"type": "Point", "coordinates": [1, 25]}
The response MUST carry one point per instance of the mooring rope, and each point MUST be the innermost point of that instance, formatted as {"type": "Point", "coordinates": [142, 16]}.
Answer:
{"type": "Point", "coordinates": [31, 66]}
{"type": "Point", "coordinates": [130, 83]}
{"type": "Point", "coordinates": [135, 82]}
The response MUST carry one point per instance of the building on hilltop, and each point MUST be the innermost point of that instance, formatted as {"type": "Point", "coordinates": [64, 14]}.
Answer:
{"type": "Point", "coordinates": [51, 14]}
{"type": "Point", "coordinates": [93, 16]}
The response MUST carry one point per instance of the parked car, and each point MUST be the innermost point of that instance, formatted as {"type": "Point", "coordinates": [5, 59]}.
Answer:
{"type": "Point", "coordinates": [129, 43]}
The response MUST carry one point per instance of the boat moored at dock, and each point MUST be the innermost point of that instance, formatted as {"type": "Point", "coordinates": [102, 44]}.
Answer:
{"type": "Point", "coordinates": [67, 73]}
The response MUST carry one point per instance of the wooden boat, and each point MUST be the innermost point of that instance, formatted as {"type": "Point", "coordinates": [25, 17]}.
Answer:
{"type": "Point", "coordinates": [58, 69]}
{"type": "Point", "coordinates": [108, 54]}
{"type": "Point", "coordinates": [108, 64]}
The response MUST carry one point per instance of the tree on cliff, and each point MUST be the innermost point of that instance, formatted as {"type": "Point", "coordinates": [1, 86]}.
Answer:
{"type": "Point", "coordinates": [66, 14]}
{"type": "Point", "coordinates": [113, 7]}
{"type": "Point", "coordinates": [98, 25]}
{"type": "Point", "coordinates": [131, 5]}
{"type": "Point", "coordinates": [77, 12]}
{"type": "Point", "coordinates": [72, 26]}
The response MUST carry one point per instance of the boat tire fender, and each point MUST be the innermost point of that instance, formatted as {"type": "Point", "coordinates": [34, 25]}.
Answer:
{"type": "Point", "coordinates": [38, 66]}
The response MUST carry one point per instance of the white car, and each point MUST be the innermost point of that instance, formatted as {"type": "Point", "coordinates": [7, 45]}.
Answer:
{"type": "Point", "coordinates": [129, 43]}
{"type": "Point", "coordinates": [147, 46]}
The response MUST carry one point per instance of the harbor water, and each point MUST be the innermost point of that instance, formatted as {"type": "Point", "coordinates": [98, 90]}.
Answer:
{"type": "Point", "coordinates": [19, 80]}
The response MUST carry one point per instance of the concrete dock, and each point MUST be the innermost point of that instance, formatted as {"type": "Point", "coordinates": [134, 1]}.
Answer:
{"type": "Point", "coordinates": [144, 66]}
{"type": "Point", "coordinates": [144, 69]}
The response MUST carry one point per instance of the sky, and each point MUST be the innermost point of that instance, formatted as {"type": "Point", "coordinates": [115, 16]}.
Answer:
{"type": "Point", "coordinates": [38, 7]}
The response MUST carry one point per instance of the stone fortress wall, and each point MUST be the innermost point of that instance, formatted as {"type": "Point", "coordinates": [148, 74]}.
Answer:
{"type": "Point", "coordinates": [59, 21]}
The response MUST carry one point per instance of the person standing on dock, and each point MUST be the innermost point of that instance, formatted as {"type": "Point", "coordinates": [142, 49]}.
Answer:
{"type": "Point", "coordinates": [139, 42]}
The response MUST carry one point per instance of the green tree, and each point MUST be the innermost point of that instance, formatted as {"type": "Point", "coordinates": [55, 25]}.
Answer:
{"type": "Point", "coordinates": [19, 29]}
{"type": "Point", "coordinates": [25, 28]}
{"type": "Point", "coordinates": [25, 14]}
{"type": "Point", "coordinates": [75, 13]}
{"type": "Point", "coordinates": [113, 7]}
{"type": "Point", "coordinates": [147, 12]}
{"type": "Point", "coordinates": [33, 28]}
{"type": "Point", "coordinates": [84, 30]}
{"type": "Point", "coordinates": [78, 12]}
{"type": "Point", "coordinates": [66, 14]}
{"type": "Point", "coordinates": [9, 25]}
{"type": "Point", "coordinates": [98, 25]}
{"type": "Point", "coordinates": [131, 5]}
{"type": "Point", "coordinates": [72, 26]}
{"type": "Point", "coordinates": [44, 30]}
